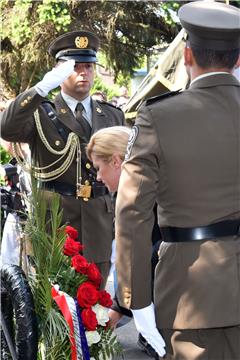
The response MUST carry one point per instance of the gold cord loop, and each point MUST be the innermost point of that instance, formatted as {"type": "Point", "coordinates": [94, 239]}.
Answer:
{"type": "Point", "coordinates": [71, 148]}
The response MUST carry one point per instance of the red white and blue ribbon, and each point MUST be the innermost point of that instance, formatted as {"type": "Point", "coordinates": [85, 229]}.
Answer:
{"type": "Point", "coordinates": [72, 315]}
{"type": "Point", "coordinates": [84, 344]}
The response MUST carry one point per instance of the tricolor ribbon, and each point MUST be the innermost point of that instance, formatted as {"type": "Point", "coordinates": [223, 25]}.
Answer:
{"type": "Point", "coordinates": [84, 344]}
{"type": "Point", "coordinates": [72, 315]}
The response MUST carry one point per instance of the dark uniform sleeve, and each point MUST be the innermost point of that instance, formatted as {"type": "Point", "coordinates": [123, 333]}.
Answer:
{"type": "Point", "coordinates": [17, 124]}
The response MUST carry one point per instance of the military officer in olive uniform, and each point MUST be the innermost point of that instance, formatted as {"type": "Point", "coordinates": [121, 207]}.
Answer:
{"type": "Point", "coordinates": [185, 154]}
{"type": "Point", "coordinates": [58, 132]}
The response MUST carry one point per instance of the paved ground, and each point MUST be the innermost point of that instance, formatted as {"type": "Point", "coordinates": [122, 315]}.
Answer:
{"type": "Point", "coordinates": [127, 336]}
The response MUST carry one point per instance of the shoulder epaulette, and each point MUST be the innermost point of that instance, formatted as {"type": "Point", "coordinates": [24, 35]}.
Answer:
{"type": "Point", "coordinates": [48, 105]}
{"type": "Point", "coordinates": [48, 102]}
{"type": "Point", "coordinates": [162, 96]}
{"type": "Point", "coordinates": [109, 104]}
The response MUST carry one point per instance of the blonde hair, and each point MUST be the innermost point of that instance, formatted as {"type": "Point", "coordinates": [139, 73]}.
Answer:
{"type": "Point", "coordinates": [108, 141]}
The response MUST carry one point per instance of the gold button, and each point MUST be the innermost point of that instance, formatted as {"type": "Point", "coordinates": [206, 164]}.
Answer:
{"type": "Point", "coordinates": [87, 182]}
{"type": "Point", "coordinates": [57, 142]}
{"type": "Point", "coordinates": [29, 97]}
{"type": "Point", "coordinates": [98, 110]}
{"type": "Point", "coordinates": [88, 166]}
{"type": "Point", "coordinates": [85, 199]}
{"type": "Point", "coordinates": [24, 102]}
{"type": "Point", "coordinates": [63, 111]}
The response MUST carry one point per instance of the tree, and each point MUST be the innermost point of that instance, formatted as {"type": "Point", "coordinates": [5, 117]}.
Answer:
{"type": "Point", "coordinates": [127, 30]}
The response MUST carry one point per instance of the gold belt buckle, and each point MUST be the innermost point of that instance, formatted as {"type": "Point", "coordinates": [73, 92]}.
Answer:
{"type": "Point", "coordinates": [84, 191]}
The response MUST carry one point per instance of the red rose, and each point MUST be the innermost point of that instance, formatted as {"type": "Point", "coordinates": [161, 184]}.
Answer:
{"type": "Point", "coordinates": [89, 319]}
{"type": "Point", "coordinates": [87, 295]}
{"type": "Point", "coordinates": [80, 263]}
{"type": "Point", "coordinates": [71, 247]}
{"type": "Point", "coordinates": [70, 231]}
{"type": "Point", "coordinates": [94, 274]}
{"type": "Point", "coordinates": [105, 298]}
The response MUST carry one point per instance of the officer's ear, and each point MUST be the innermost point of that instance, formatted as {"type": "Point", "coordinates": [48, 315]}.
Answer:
{"type": "Point", "coordinates": [188, 56]}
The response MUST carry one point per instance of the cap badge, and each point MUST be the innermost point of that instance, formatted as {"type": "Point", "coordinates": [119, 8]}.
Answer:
{"type": "Point", "coordinates": [81, 42]}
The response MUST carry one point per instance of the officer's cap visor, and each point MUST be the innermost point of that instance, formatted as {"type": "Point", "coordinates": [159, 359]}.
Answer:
{"type": "Point", "coordinates": [80, 56]}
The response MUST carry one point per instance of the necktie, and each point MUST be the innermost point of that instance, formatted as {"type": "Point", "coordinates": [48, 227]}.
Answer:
{"type": "Point", "coordinates": [86, 128]}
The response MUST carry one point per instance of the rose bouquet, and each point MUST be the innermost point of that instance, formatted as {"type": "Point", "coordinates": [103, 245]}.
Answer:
{"type": "Point", "coordinates": [83, 305]}
{"type": "Point", "coordinates": [71, 309]}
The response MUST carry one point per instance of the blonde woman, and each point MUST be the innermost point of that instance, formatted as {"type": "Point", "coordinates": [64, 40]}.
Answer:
{"type": "Point", "coordinates": [106, 149]}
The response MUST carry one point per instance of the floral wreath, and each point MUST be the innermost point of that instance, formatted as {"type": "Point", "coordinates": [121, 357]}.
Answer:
{"type": "Point", "coordinates": [83, 305]}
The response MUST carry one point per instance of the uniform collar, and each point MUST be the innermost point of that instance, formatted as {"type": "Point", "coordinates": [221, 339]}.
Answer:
{"type": "Point", "coordinates": [72, 103]}
{"type": "Point", "coordinates": [208, 74]}
{"type": "Point", "coordinates": [218, 79]}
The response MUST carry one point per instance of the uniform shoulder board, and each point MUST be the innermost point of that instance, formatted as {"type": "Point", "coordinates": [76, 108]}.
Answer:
{"type": "Point", "coordinates": [47, 103]}
{"type": "Point", "coordinates": [162, 96]}
{"type": "Point", "coordinates": [109, 104]}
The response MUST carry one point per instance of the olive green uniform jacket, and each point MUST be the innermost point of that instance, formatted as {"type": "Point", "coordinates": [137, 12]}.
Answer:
{"type": "Point", "coordinates": [93, 219]}
{"type": "Point", "coordinates": [186, 156]}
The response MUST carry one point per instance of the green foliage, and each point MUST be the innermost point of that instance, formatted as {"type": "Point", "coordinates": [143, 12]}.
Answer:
{"type": "Point", "coordinates": [4, 155]}
{"type": "Point", "coordinates": [99, 85]}
{"type": "Point", "coordinates": [109, 345]}
{"type": "Point", "coordinates": [18, 21]}
{"type": "Point", "coordinates": [168, 8]}
{"type": "Point", "coordinates": [47, 239]}
{"type": "Point", "coordinates": [70, 280]}
{"type": "Point", "coordinates": [123, 80]}
{"type": "Point", "coordinates": [27, 29]}
{"type": "Point", "coordinates": [127, 30]}
{"type": "Point", "coordinates": [56, 11]}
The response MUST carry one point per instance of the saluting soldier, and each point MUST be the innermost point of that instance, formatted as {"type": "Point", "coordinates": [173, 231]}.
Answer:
{"type": "Point", "coordinates": [185, 154]}
{"type": "Point", "coordinates": [58, 132]}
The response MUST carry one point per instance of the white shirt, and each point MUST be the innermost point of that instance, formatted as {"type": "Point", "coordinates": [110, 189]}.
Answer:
{"type": "Point", "coordinates": [72, 103]}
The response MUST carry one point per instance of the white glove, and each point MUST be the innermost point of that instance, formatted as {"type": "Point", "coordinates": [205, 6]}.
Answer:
{"type": "Point", "coordinates": [55, 77]}
{"type": "Point", "coordinates": [145, 323]}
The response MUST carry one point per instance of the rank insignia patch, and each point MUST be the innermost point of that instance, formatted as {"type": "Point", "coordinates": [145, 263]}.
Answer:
{"type": "Point", "coordinates": [131, 141]}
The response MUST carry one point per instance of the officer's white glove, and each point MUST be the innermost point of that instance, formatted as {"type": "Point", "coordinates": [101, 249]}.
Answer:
{"type": "Point", "coordinates": [55, 77]}
{"type": "Point", "coordinates": [145, 323]}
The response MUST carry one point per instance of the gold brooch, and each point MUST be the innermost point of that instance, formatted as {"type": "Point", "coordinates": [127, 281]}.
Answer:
{"type": "Point", "coordinates": [81, 42]}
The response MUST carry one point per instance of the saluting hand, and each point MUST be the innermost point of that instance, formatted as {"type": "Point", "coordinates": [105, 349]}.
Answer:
{"type": "Point", "coordinates": [55, 77]}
